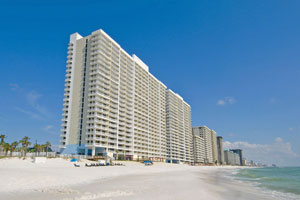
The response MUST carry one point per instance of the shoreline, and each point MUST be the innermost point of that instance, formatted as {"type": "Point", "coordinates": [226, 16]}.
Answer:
{"type": "Point", "coordinates": [263, 188]}
{"type": "Point", "coordinates": [60, 179]}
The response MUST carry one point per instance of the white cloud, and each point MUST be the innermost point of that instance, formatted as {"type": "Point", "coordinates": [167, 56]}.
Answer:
{"type": "Point", "coordinates": [278, 140]}
{"type": "Point", "coordinates": [14, 86]}
{"type": "Point", "coordinates": [225, 101]}
{"type": "Point", "coordinates": [221, 102]}
{"type": "Point", "coordinates": [32, 115]}
{"type": "Point", "coordinates": [37, 111]}
{"type": "Point", "coordinates": [279, 152]}
{"type": "Point", "coordinates": [33, 98]}
{"type": "Point", "coordinates": [291, 129]}
{"type": "Point", "coordinates": [50, 129]}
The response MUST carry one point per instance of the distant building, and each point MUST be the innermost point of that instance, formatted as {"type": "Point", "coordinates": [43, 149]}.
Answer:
{"type": "Point", "coordinates": [240, 153]}
{"type": "Point", "coordinates": [231, 158]}
{"type": "Point", "coordinates": [237, 160]}
{"type": "Point", "coordinates": [205, 133]}
{"type": "Point", "coordinates": [251, 163]}
{"type": "Point", "coordinates": [179, 129]}
{"type": "Point", "coordinates": [245, 162]}
{"type": "Point", "coordinates": [220, 150]}
{"type": "Point", "coordinates": [228, 157]}
{"type": "Point", "coordinates": [214, 146]}
{"type": "Point", "coordinates": [199, 147]}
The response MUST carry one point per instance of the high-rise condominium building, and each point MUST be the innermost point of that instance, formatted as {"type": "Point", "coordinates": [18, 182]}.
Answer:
{"type": "Point", "coordinates": [205, 133]}
{"type": "Point", "coordinates": [231, 158]}
{"type": "Point", "coordinates": [220, 150]}
{"type": "Point", "coordinates": [199, 147]}
{"type": "Point", "coordinates": [214, 146]}
{"type": "Point", "coordinates": [112, 102]}
{"type": "Point", "coordinates": [179, 129]}
{"type": "Point", "coordinates": [240, 153]}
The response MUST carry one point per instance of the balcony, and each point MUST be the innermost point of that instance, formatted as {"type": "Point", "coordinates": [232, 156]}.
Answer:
{"type": "Point", "coordinates": [63, 129]}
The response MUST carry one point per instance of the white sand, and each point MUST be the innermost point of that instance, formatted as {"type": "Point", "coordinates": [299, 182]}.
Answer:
{"type": "Point", "coordinates": [20, 175]}
{"type": "Point", "coordinates": [59, 179]}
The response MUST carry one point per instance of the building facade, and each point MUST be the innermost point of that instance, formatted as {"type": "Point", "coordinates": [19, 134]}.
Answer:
{"type": "Point", "coordinates": [214, 146]}
{"type": "Point", "coordinates": [240, 153]}
{"type": "Point", "coordinates": [179, 129]}
{"type": "Point", "coordinates": [199, 148]}
{"type": "Point", "coordinates": [114, 105]}
{"type": "Point", "coordinates": [205, 133]}
{"type": "Point", "coordinates": [245, 163]}
{"type": "Point", "coordinates": [231, 158]}
{"type": "Point", "coordinates": [220, 150]}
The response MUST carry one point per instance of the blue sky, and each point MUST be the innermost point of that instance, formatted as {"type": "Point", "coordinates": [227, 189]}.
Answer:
{"type": "Point", "coordinates": [235, 62]}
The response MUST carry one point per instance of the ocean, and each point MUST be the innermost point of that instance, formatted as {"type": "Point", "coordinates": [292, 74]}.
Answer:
{"type": "Point", "coordinates": [281, 182]}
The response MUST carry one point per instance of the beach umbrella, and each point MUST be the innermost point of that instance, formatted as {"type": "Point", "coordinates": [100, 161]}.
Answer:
{"type": "Point", "coordinates": [74, 160]}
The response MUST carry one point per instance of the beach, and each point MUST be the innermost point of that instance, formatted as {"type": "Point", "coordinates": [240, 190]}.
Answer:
{"type": "Point", "coordinates": [59, 179]}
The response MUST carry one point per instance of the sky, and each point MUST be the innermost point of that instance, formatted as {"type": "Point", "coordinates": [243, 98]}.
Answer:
{"type": "Point", "coordinates": [235, 62]}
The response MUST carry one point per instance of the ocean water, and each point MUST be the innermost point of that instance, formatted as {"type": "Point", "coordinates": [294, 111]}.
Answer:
{"type": "Point", "coordinates": [283, 182]}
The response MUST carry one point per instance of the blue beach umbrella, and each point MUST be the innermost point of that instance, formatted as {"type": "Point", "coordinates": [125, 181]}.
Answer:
{"type": "Point", "coordinates": [74, 160]}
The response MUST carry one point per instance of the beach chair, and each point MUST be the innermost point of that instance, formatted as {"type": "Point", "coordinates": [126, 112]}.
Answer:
{"type": "Point", "coordinates": [76, 165]}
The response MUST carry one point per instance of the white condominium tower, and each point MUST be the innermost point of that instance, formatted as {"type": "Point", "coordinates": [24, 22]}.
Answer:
{"type": "Point", "coordinates": [214, 146]}
{"type": "Point", "coordinates": [112, 103]}
{"type": "Point", "coordinates": [149, 114]}
{"type": "Point", "coordinates": [205, 133]}
{"type": "Point", "coordinates": [179, 129]}
{"type": "Point", "coordinates": [199, 148]}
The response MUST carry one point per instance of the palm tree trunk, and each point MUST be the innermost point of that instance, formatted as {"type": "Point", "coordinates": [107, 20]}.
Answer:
{"type": "Point", "coordinates": [25, 151]}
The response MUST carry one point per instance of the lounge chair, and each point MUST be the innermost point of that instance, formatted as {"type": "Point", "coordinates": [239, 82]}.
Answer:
{"type": "Point", "coordinates": [76, 165]}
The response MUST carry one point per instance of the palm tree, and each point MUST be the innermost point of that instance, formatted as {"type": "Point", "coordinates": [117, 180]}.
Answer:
{"type": "Point", "coordinates": [13, 147]}
{"type": "Point", "coordinates": [124, 155]}
{"type": "Point", "coordinates": [117, 154]}
{"type": "Point", "coordinates": [48, 145]}
{"type": "Point", "coordinates": [5, 147]}
{"type": "Point", "coordinates": [2, 137]}
{"type": "Point", "coordinates": [36, 148]}
{"type": "Point", "coordinates": [25, 143]}
{"type": "Point", "coordinates": [42, 147]}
